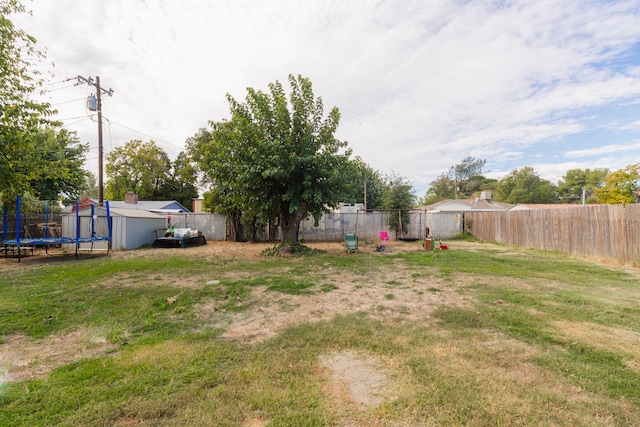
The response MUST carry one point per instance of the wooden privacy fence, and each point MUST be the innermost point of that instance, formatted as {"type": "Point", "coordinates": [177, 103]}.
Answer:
{"type": "Point", "coordinates": [602, 231]}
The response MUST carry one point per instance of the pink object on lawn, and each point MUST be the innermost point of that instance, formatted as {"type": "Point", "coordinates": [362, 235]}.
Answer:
{"type": "Point", "coordinates": [384, 236]}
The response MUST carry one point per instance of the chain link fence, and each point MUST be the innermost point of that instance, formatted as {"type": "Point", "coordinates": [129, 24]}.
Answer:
{"type": "Point", "coordinates": [367, 225]}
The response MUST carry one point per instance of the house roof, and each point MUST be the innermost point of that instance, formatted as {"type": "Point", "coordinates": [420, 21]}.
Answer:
{"type": "Point", "coordinates": [541, 206]}
{"type": "Point", "coordinates": [450, 205]}
{"type": "Point", "coordinates": [82, 204]}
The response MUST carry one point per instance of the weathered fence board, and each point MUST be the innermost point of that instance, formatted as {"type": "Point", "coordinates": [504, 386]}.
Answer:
{"type": "Point", "coordinates": [604, 231]}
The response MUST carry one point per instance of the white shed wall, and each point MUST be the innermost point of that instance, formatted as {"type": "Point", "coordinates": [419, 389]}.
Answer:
{"type": "Point", "coordinates": [131, 233]}
{"type": "Point", "coordinates": [127, 232]}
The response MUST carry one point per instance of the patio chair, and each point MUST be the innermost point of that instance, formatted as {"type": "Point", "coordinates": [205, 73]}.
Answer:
{"type": "Point", "coordinates": [384, 237]}
{"type": "Point", "coordinates": [351, 242]}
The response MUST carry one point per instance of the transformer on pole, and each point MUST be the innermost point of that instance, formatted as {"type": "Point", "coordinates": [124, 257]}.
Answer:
{"type": "Point", "coordinates": [96, 102]}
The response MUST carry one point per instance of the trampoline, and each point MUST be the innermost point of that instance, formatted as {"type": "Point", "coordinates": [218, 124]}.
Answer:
{"type": "Point", "coordinates": [19, 245]}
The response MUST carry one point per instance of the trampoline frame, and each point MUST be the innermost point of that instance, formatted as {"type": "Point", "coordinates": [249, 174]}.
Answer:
{"type": "Point", "coordinates": [28, 243]}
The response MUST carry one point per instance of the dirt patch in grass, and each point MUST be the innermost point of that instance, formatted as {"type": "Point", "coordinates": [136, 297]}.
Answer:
{"type": "Point", "coordinates": [271, 312]}
{"type": "Point", "coordinates": [360, 388]}
{"type": "Point", "coordinates": [23, 358]}
{"type": "Point", "coordinates": [358, 379]}
{"type": "Point", "coordinates": [389, 296]}
{"type": "Point", "coordinates": [254, 422]}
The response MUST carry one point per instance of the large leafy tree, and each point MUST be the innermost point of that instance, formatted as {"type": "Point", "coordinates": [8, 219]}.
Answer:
{"type": "Point", "coordinates": [139, 167]}
{"type": "Point", "coordinates": [181, 183]}
{"type": "Point", "coordinates": [90, 188]}
{"type": "Point", "coordinates": [468, 175]}
{"type": "Point", "coordinates": [60, 159]}
{"type": "Point", "coordinates": [215, 155]}
{"type": "Point", "coordinates": [571, 186]}
{"type": "Point", "coordinates": [398, 197]}
{"type": "Point", "coordinates": [524, 185]}
{"type": "Point", "coordinates": [277, 156]}
{"type": "Point", "coordinates": [460, 181]}
{"type": "Point", "coordinates": [20, 116]}
{"type": "Point", "coordinates": [619, 186]}
{"type": "Point", "coordinates": [361, 178]}
{"type": "Point", "coordinates": [441, 188]}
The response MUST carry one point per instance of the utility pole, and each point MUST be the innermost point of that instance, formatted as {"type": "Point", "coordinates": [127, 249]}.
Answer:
{"type": "Point", "coordinates": [455, 187]}
{"type": "Point", "coordinates": [365, 196]}
{"type": "Point", "coordinates": [99, 92]}
{"type": "Point", "coordinates": [100, 182]}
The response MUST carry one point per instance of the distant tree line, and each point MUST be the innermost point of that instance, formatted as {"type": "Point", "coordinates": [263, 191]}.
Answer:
{"type": "Point", "coordinates": [466, 180]}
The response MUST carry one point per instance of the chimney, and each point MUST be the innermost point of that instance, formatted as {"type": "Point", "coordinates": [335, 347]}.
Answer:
{"type": "Point", "coordinates": [131, 198]}
{"type": "Point", "coordinates": [485, 196]}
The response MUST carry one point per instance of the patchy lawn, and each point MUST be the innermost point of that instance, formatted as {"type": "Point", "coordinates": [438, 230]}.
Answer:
{"type": "Point", "coordinates": [219, 335]}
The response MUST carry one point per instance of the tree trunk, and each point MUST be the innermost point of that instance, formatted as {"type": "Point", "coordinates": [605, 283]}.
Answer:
{"type": "Point", "coordinates": [290, 223]}
{"type": "Point", "coordinates": [273, 229]}
{"type": "Point", "coordinates": [252, 230]}
{"type": "Point", "coordinates": [233, 226]}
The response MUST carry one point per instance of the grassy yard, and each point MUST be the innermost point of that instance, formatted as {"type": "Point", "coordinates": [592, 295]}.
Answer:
{"type": "Point", "coordinates": [480, 335]}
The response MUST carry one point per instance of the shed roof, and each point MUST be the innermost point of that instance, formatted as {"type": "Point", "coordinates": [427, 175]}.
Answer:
{"type": "Point", "coordinates": [160, 206]}
{"type": "Point", "coordinates": [134, 213]}
{"type": "Point", "coordinates": [163, 206]}
{"type": "Point", "coordinates": [127, 213]}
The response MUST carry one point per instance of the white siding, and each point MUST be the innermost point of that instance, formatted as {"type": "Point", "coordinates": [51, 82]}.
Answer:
{"type": "Point", "coordinates": [128, 232]}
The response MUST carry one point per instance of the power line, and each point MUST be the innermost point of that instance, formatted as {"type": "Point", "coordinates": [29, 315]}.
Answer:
{"type": "Point", "coordinates": [73, 118]}
{"type": "Point", "coordinates": [55, 83]}
{"type": "Point", "coordinates": [60, 88]}
{"type": "Point", "coordinates": [143, 134]}
{"type": "Point", "coordinates": [67, 102]}
{"type": "Point", "coordinates": [112, 135]}
{"type": "Point", "coordinates": [110, 129]}
{"type": "Point", "coordinates": [81, 120]}
{"type": "Point", "coordinates": [89, 81]}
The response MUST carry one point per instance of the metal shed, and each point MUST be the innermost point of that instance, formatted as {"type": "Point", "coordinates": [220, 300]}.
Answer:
{"type": "Point", "coordinates": [131, 228]}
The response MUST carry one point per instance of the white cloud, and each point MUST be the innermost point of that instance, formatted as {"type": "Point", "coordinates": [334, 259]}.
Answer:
{"type": "Point", "coordinates": [420, 85]}
{"type": "Point", "coordinates": [606, 149]}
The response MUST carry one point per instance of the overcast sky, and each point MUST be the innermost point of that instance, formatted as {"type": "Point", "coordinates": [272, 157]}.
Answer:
{"type": "Point", "coordinates": [420, 84]}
